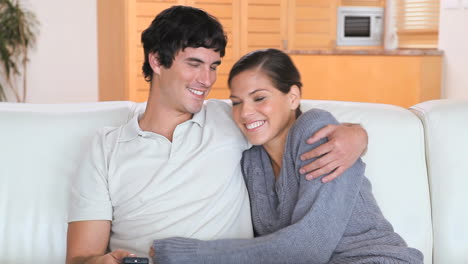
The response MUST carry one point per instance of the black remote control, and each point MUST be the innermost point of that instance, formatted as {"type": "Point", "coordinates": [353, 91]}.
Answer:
{"type": "Point", "coordinates": [135, 260]}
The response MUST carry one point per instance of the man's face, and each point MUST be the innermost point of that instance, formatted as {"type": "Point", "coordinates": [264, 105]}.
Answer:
{"type": "Point", "coordinates": [184, 86]}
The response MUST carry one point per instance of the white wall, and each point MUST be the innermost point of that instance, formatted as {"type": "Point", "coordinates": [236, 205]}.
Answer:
{"type": "Point", "coordinates": [453, 40]}
{"type": "Point", "coordinates": [63, 65]}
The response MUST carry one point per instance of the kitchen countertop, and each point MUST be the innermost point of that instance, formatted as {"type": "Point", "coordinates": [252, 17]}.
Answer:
{"type": "Point", "coordinates": [372, 52]}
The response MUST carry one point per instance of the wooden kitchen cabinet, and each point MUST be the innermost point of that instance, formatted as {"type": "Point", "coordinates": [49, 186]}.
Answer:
{"type": "Point", "coordinates": [402, 80]}
{"type": "Point", "coordinates": [311, 24]}
{"type": "Point", "coordinates": [263, 24]}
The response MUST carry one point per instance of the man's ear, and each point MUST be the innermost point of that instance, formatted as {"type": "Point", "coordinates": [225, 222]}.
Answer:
{"type": "Point", "coordinates": [294, 96]}
{"type": "Point", "coordinates": [154, 63]}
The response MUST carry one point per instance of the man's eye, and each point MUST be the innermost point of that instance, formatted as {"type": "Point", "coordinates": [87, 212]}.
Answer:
{"type": "Point", "coordinates": [259, 99]}
{"type": "Point", "coordinates": [195, 65]}
{"type": "Point", "coordinates": [214, 68]}
{"type": "Point", "coordinates": [235, 103]}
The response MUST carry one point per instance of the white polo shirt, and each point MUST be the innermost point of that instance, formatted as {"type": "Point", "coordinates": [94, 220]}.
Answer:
{"type": "Point", "coordinates": [151, 188]}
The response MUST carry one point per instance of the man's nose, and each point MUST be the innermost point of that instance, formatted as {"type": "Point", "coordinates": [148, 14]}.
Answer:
{"type": "Point", "coordinates": [206, 78]}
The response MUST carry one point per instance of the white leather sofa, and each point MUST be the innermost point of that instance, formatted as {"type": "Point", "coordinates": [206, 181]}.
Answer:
{"type": "Point", "coordinates": [417, 161]}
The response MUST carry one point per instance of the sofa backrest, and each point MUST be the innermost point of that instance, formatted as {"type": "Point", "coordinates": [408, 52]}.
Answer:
{"type": "Point", "coordinates": [40, 149]}
{"type": "Point", "coordinates": [395, 163]}
{"type": "Point", "coordinates": [446, 127]}
{"type": "Point", "coordinates": [41, 146]}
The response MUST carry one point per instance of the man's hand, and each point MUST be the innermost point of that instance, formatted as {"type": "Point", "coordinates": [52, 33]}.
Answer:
{"type": "Point", "coordinates": [87, 243]}
{"type": "Point", "coordinates": [114, 257]}
{"type": "Point", "coordinates": [346, 143]}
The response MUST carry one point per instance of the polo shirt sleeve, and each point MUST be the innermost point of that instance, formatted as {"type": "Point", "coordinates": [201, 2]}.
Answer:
{"type": "Point", "coordinates": [89, 195]}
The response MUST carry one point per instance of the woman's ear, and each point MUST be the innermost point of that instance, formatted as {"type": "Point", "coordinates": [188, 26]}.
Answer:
{"type": "Point", "coordinates": [294, 97]}
{"type": "Point", "coordinates": [154, 63]}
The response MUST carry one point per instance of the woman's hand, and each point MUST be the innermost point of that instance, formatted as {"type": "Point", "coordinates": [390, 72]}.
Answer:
{"type": "Point", "coordinates": [346, 143]}
{"type": "Point", "coordinates": [152, 253]}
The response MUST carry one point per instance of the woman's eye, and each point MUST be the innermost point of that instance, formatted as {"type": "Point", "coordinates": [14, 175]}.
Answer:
{"type": "Point", "coordinates": [258, 99]}
{"type": "Point", "coordinates": [235, 103]}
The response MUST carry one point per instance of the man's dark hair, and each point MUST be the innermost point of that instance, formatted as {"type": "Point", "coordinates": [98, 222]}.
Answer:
{"type": "Point", "coordinates": [177, 28]}
{"type": "Point", "coordinates": [276, 65]}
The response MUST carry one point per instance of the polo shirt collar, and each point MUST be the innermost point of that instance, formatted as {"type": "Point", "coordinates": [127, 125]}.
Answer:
{"type": "Point", "coordinates": [132, 129]}
{"type": "Point", "coordinates": [199, 118]}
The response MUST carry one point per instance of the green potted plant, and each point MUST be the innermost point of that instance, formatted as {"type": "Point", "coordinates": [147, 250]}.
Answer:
{"type": "Point", "coordinates": [17, 35]}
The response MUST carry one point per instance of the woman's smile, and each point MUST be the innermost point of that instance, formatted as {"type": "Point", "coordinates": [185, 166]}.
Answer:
{"type": "Point", "coordinates": [253, 125]}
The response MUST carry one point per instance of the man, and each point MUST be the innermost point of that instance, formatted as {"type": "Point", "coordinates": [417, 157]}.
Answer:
{"type": "Point", "coordinates": [175, 169]}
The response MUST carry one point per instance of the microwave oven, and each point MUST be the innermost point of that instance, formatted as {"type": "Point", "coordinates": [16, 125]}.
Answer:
{"type": "Point", "coordinates": [359, 26]}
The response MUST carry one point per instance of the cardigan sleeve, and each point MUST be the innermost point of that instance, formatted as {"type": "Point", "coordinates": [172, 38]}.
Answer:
{"type": "Point", "coordinates": [318, 222]}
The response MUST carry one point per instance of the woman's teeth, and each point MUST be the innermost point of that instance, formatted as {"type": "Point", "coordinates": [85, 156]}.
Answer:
{"type": "Point", "coordinates": [196, 92]}
{"type": "Point", "coordinates": [254, 124]}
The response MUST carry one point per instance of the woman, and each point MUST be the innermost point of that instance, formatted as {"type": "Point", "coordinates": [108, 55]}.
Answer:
{"type": "Point", "coordinates": [295, 220]}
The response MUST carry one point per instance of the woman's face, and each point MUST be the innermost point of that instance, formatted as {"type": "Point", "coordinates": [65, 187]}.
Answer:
{"type": "Point", "coordinates": [263, 113]}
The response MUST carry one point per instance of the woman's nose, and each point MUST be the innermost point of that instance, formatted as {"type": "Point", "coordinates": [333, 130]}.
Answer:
{"type": "Point", "coordinates": [247, 110]}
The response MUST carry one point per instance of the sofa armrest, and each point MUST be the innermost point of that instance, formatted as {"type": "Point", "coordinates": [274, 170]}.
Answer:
{"type": "Point", "coordinates": [446, 135]}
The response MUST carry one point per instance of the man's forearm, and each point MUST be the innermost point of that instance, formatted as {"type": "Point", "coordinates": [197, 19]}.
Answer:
{"type": "Point", "coordinates": [84, 260]}
{"type": "Point", "coordinates": [87, 242]}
